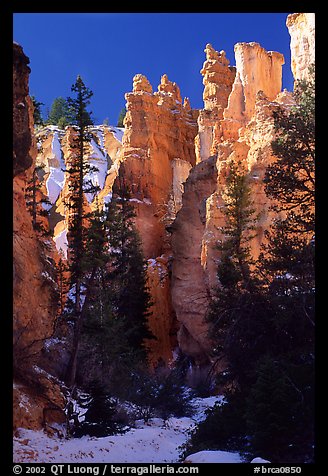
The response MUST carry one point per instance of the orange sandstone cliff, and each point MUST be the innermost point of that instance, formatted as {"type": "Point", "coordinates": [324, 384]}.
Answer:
{"type": "Point", "coordinates": [38, 400]}
{"type": "Point", "coordinates": [175, 161]}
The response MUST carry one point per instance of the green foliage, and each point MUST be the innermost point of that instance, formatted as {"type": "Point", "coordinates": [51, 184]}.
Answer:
{"type": "Point", "coordinates": [129, 293]}
{"type": "Point", "coordinates": [63, 283]}
{"type": "Point", "coordinates": [238, 230]}
{"type": "Point", "coordinates": [222, 429]}
{"type": "Point", "coordinates": [158, 394]}
{"type": "Point", "coordinates": [116, 310]}
{"type": "Point", "coordinates": [278, 412]}
{"type": "Point", "coordinates": [237, 299]}
{"type": "Point", "coordinates": [120, 121]}
{"type": "Point", "coordinates": [37, 204]}
{"type": "Point", "coordinates": [101, 417]}
{"type": "Point", "coordinates": [77, 108]}
{"type": "Point", "coordinates": [264, 324]}
{"type": "Point", "coordinates": [80, 118]}
{"type": "Point", "coordinates": [58, 114]}
{"type": "Point", "coordinates": [173, 398]}
{"type": "Point", "coordinates": [290, 179]}
{"type": "Point", "coordinates": [37, 115]}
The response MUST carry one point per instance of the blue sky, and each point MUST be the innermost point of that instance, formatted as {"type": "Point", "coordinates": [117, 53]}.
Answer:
{"type": "Point", "coordinates": [108, 49]}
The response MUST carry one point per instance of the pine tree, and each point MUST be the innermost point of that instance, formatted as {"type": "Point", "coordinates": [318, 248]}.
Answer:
{"type": "Point", "coordinates": [233, 304]}
{"type": "Point", "coordinates": [100, 419]}
{"type": "Point", "coordinates": [238, 230]}
{"type": "Point", "coordinates": [130, 295]}
{"type": "Point", "coordinates": [290, 179]}
{"type": "Point", "coordinates": [287, 260]}
{"type": "Point", "coordinates": [37, 115]}
{"type": "Point", "coordinates": [78, 167]}
{"type": "Point", "coordinates": [63, 283]}
{"type": "Point", "coordinates": [280, 410]}
{"type": "Point", "coordinates": [266, 330]}
{"type": "Point", "coordinates": [120, 121]}
{"type": "Point", "coordinates": [59, 113]}
{"type": "Point", "coordinates": [37, 203]}
{"type": "Point", "coordinates": [277, 413]}
{"type": "Point", "coordinates": [116, 310]}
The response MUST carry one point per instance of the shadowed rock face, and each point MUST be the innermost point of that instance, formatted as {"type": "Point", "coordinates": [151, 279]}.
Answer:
{"type": "Point", "coordinates": [175, 161]}
{"type": "Point", "coordinates": [34, 304]}
{"type": "Point", "coordinates": [190, 294]}
{"type": "Point", "coordinates": [21, 112]}
{"type": "Point", "coordinates": [33, 313]}
{"type": "Point", "coordinates": [153, 157]}
{"type": "Point", "coordinates": [235, 124]}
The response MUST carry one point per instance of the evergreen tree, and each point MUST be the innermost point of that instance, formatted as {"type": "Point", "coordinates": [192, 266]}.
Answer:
{"type": "Point", "coordinates": [237, 298]}
{"type": "Point", "coordinates": [63, 283]}
{"type": "Point", "coordinates": [130, 295]}
{"type": "Point", "coordinates": [115, 323]}
{"type": "Point", "coordinates": [121, 117]}
{"type": "Point", "coordinates": [59, 113]}
{"type": "Point", "coordinates": [37, 203]}
{"type": "Point", "coordinates": [279, 413]}
{"type": "Point", "coordinates": [290, 179]}
{"type": "Point", "coordinates": [77, 169]}
{"type": "Point", "coordinates": [238, 230]}
{"type": "Point", "coordinates": [287, 265]}
{"type": "Point", "coordinates": [100, 419]}
{"type": "Point", "coordinates": [266, 330]}
{"type": "Point", "coordinates": [37, 115]}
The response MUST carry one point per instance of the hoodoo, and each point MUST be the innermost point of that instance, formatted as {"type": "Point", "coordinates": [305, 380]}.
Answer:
{"type": "Point", "coordinates": [174, 163]}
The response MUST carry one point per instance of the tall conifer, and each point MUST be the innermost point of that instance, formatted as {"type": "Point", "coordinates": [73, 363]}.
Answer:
{"type": "Point", "coordinates": [80, 118]}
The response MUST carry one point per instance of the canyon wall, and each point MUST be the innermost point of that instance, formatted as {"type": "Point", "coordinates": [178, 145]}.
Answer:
{"type": "Point", "coordinates": [236, 124]}
{"type": "Point", "coordinates": [301, 27]}
{"type": "Point", "coordinates": [175, 161]}
{"type": "Point", "coordinates": [241, 132]}
{"type": "Point", "coordinates": [37, 397]}
{"type": "Point", "coordinates": [154, 156]}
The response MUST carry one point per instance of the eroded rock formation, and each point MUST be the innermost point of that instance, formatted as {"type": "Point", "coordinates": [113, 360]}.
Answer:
{"type": "Point", "coordinates": [242, 132]}
{"type": "Point", "coordinates": [190, 292]}
{"type": "Point", "coordinates": [301, 27]}
{"type": "Point", "coordinates": [159, 131]}
{"type": "Point", "coordinates": [257, 70]}
{"type": "Point", "coordinates": [34, 302]}
{"type": "Point", "coordinates": [175, 161]}
{"type": "Point", "coordinates": [157, 154]}
{"type": "Point", "coordinates": [154, 155]}
{"type": "Point", "coordinates": [218, 80]}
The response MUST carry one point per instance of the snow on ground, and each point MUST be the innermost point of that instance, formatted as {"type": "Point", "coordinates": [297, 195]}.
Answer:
{"type": "Point", "coordinates": [155, 442]}
{"type": "Point", "coordinates": [214, 457]}
{"type": "Point", "coordinates": [260, 460]}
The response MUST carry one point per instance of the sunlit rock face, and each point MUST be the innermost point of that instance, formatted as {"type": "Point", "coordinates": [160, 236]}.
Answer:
{"type": "Point", "coordinates": [55, 149]}
{"type": "Point", "coordinates": [29, 325]}
{"type": "Point", "coordinates": [153, 153]}
{"type": "Point", "coordinates": [218, 78]}
{"type": "Point", "coordinates": [301, 27]}
{"type": "Point", "coordinates": [175, 161]}
{"type": "Point", "coordinates": [157, 155]}
{"type": "Point", "coordinates": [257, 70]}
{"type": "Point", "coordinates": [236, 124]}
{"type": "Point", "coordinates": [189, 281]}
